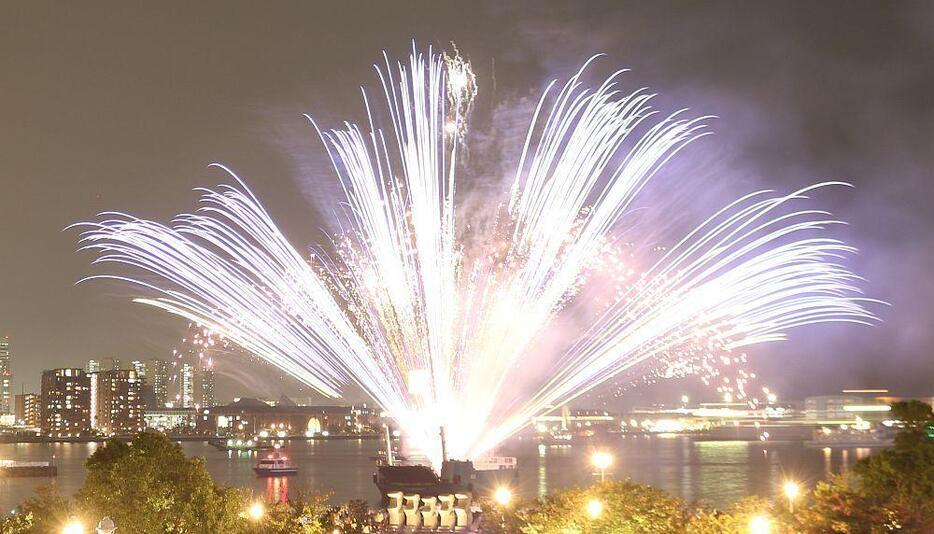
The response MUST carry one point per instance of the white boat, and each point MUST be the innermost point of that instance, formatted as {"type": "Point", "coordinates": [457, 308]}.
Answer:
{"type": "Point", "coordinates": [274, 465]}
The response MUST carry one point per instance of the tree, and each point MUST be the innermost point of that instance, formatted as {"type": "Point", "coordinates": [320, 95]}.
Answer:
{"type": "Point", "coordinates": [899, 482]}
{"type": "Point", "coordinates": [891, 490]}
{"type": "Point", "coordinates": [737, 518]}
{"type": "Point", "coordinates": [840, 507]}
{"type": "Point", "coordinates": [624, 507]}
{"type": "Point", "coordinates": [917, 418]}
{"type": "Point", "coordinates": [47, 511]}
{"type": "Point", "coordinates": [151, 487]}
{"type": "Point", "coordinates": [301, 514]}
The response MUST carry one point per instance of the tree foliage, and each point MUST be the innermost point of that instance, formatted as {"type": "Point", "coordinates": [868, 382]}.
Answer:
{"type": "Point", "coordinates": [151, 487]}
{"type": "Point", "coordinates": [627, 507]}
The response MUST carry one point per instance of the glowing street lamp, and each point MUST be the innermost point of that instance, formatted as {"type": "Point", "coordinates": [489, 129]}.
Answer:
{"type": "Point", "coordinates": [74, 527]}
{"type": "Point", "coordinates": [601, 460]}
{"type": "Point", "coordinates": [594, 508]}
{"type": "Point", "coordinates": [760, 524]}
{"type": "Point", "coordinates": [503, 496]}
{"type": "Point", "coordinates": [791, 490]}
{"type": "Point", "coordinates": [256, 511]}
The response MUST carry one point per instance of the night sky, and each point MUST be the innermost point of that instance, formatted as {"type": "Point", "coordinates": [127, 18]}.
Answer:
{"type": "Point", "coordinates": [107, 106]}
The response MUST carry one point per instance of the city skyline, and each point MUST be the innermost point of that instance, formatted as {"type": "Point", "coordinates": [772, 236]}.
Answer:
{"type": "Point", "coordinates": [54, 324]}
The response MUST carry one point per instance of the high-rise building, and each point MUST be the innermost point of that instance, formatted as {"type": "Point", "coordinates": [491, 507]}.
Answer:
{"type": "Point", "coordinates": [103, 364]}
{"type": "Point", "coordinates": [65, 402]}
{"type": "Point", "coordinates": [140, 368]}
{"type": "Point", "coordinates": [6, 377]}
{"type": "Point", "coordinates": [156, 385]}
{"type": "Point", "coordinates": [27, 411]}
{"type": "Point", "coordinates": [204, 393]}
{"type": "Point", "coordinates": [187, 386]}
{"type": "Point", "coordinates": [118, 404]}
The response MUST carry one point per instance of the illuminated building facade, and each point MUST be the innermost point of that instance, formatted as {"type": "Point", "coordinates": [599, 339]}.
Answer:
{"type": "Point", "coordinates": [156, 384]}
{"type": "Point", "coordinates": [170, 420]}
{"type": "Point", "coordinates": [204, 397]}
{"type": "Point", "coordinates": [852, 403]}
{"type": "Point", "coordinates": [27, 409]}
{"type": "Point", "coordinates": [104, 364]}
{"type": "Point", "coordinates": [65, 402]}
{"type": "Point", "coordinates": [119, 404]}
{"type": "Point", "coordinates": [250, 416]}
{"type": "Point", "coordinates": [187, 385]}
{"type": "Point", "coordinates": [6, 377]}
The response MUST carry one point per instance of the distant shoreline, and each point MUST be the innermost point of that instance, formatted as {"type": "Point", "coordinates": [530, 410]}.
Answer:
{"type": "Point", "coordinates": [179, 437]}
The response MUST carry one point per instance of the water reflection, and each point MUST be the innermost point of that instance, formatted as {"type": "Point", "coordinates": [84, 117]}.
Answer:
{"type": "Point", "coordinates": [720, 480]}
{"type": "Point", "coordinates": [277, 489]}
{"type": "Point", "coordinates": [717, 472]}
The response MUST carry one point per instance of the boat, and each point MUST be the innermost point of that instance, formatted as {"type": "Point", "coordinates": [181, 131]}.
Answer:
{"type": "Point", "coordinates": [274, 465]}
{"type": "Point", "coordinates": [11, 468]}
{"type": "Point", "coordinates": [457, 476]}
{"type": "Point", "coordinates": [255, 443]}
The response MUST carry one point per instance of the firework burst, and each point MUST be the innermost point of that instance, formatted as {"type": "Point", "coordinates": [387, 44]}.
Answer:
{"type": "Point", "coordinates": [441, 322]}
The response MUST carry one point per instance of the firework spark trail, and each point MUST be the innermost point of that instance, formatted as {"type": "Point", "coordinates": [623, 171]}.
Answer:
{"type": "Point", "coordinates": [728, 286]}
{"type": "Point", "coordinates": [439, 335]}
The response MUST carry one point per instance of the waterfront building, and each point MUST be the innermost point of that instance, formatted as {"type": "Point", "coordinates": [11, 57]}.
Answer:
{"type": "Point", "coordinates": [65, 402]}
{"type": "Point", "coordinates": [250, 416]}
{"type": "Point", "coordinates": [156, 385]}
{"type": "Point", "coordinates": [187, 386]}
{"type": "Point", "coordinates": [118, 403]}
{"type": "Point", "coordinates": [6, 377]}
{"type": "Point", "coordinates": [572, 420]}
{"type": "Point", "coordinates": [27, 409]}
{"type": "Point", "coordinates": [170, 420]}
{"type": "Point", "coordinates": [866, 404]}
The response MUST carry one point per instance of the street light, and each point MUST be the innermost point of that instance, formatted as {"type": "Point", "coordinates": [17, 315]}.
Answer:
{"type": "Point", "coordinates": [73, 527]}
{"type": "Point", "coordinates": [594, 508]}
{"type": "Point", "coordinates": [791, 490]}
{"type": "Point", "coordinates": [601, 460]}
{"type": "Point", "coordinates": [760, 524]}
{"type": "Point", "coordinates": [503, 496]}
{"type": "Point", "coordinates": [256, 511]}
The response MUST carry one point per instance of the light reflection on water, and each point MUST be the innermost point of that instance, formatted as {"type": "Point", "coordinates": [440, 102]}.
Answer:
{"type": "Point", "coordinates": [717, 472]}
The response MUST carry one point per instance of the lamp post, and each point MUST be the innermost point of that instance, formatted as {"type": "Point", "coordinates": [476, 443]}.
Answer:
{"type": "Point", "coordinates": [791, 490]}
{"type": "Point", "coordinates": [73, 526]}
{"type": "Point", "coordinates": [601, 460]}
{"type": "Point", "coordinates": [256, 511]}
{"type": "Point", "coordinates": [503, 496]}
{"type": "Point", "coordinates": [594, 508]}
{"type": "Point", "coordinates": [760, 524]}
